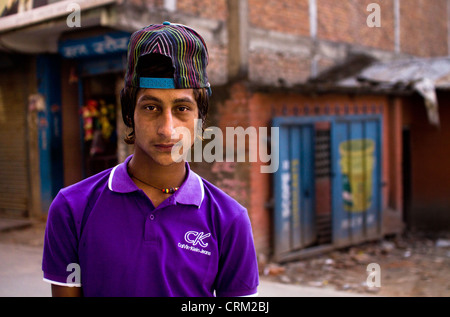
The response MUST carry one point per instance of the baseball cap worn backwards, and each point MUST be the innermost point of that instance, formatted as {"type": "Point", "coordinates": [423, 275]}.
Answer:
{"type": "Point", "coordinates": [183, 45]}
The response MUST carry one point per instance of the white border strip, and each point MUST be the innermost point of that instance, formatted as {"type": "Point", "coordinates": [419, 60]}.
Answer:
{"type": "Point", "coordinates": [111, 175]}
{"type": "Point", "coordinates": [252, 295]}
{"type": "Point", "coordinates": [201, 186]}
{"type": "Point", "coordinates": [61, 284]}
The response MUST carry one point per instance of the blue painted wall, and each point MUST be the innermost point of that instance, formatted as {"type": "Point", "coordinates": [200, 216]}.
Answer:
{"type": "Point", "coordinates": [48, 70]}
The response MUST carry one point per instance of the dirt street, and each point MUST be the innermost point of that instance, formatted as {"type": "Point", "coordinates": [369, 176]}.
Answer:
{"type": "Point", "coordinates": [411, 265]}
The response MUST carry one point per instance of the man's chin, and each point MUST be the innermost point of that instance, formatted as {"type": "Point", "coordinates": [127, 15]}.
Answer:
{"type": "Point", "coordinates": [167, 160]}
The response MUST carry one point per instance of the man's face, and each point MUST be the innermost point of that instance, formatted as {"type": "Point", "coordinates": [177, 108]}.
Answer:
{"type": "Point", "coordinates": [158, 115]}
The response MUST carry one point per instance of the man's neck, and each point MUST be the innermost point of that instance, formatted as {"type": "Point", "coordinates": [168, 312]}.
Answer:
{"type": "Point", "coordinates": [161, 176]}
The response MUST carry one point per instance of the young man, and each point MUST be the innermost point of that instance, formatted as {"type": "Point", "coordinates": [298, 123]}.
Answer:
{"type": "Point", "coordinates": [151, 226]}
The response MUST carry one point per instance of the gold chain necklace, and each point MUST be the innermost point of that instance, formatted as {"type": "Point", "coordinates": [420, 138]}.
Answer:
{"type": "Point", "coordinates": [170, 190]}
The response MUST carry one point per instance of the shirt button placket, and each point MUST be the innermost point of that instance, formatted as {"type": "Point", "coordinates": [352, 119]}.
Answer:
{"type": "Point", "coordinates": [150, 229]}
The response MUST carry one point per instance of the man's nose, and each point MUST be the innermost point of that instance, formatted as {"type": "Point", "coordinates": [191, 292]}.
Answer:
{"type": "Point", "coordinates": [165, 125]}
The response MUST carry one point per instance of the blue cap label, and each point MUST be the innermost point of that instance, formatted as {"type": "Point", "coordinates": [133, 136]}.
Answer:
{"type": "Point", "coordinates": [157, 83]}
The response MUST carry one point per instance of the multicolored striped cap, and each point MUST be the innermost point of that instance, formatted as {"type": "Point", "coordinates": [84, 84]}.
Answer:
{"type": "Point", "coordinates": [183, 45]}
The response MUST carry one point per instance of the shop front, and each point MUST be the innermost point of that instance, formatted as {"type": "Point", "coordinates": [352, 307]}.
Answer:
{"type": "Point", "coordinates": [59, 96]}
{"type": "Point", "coordinates": [93, 70]}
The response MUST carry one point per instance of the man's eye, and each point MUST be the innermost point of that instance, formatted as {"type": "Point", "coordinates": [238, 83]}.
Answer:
{"type": "Point", "coordinates": [183, 108]}
{"type": "Point", "coordinates": [150, 108]}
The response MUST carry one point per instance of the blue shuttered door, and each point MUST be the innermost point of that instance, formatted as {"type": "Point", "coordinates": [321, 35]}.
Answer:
{"type": "Point", "coordinates": [294, 189]}
{"type": "Point", "coordinates": [356, 197]}
{"type": "Point", "coordinates": [355, 181]}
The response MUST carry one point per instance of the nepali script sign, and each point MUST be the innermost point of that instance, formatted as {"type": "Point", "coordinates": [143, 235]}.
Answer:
{"type": "Point", "coordinates": [116, 42]}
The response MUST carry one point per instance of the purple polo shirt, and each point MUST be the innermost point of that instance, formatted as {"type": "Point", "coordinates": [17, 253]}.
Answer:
{"type": "Point", "coordinates": [198, 242]}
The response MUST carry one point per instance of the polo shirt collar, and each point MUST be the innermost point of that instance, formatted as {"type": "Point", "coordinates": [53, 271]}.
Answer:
{"type": "Point", "coordinates": [191, 192]}
{"type": "Point", "coordinates": [120, 181]}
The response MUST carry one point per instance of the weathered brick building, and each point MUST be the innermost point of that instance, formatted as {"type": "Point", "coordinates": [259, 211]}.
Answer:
{"type": "Point", "coordinates": [271, 62]}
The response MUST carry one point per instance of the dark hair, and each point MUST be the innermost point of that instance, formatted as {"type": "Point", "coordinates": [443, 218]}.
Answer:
{"type": "Point", "coordinates": [157, 66]}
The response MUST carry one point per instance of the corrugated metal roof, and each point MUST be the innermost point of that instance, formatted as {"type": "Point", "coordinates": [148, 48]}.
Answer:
{"type": "Point", "coordinates": [421, 75]}
{"type": "Point", "coordinates": [402, 74]}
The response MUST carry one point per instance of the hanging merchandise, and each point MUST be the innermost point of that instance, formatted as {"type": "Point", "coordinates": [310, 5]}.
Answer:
{"type": "Point", "coordinates": [89, 113]}
{"type": "Point", "coordinates": [98, 124]}
{"type": "Point", "coordinates": [106, 117]}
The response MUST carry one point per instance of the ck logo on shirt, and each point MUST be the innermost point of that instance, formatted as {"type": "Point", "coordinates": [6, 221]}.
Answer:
{"type": "Point", "coordinates": [195, 238]}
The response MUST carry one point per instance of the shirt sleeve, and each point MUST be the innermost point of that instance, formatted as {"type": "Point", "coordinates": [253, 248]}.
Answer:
{"type": "Point", "coordinates": [238, 266]}
{"type": "Point", "coordinates": [60, 256]}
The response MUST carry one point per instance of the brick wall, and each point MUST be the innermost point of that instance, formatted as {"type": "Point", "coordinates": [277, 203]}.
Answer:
{"type": "Point", "coordinates": [147, 3]}
{"type": "Point", "coordinates": [228, 108]}
{"type": "Point", "coordinates": [267, 67]}
{"type": "Point", "coordinates": [211, 9]}
{"type": "Point", "coordinates": [233, 112]}
{"type": "Point", "coordinates": [217, 68]}
{"type": "Point", "coordinates": [288, 16]}
{"type": "Point", "coordinates": [424, 27]}
{"type": "Point", "coordinates": [289, 55]}
{"type": "Point", "coordinates": [275, 63]}
{"type": "Point", "coordinates": [341, 28]}
{"type": "Point", "coordinates": [346, 21]}
{"type": "Point", "coordinates": [281, 50]}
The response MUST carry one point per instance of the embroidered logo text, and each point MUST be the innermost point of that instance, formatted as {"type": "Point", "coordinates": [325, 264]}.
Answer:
{"type": "Point", "coordinates": [195, 238]}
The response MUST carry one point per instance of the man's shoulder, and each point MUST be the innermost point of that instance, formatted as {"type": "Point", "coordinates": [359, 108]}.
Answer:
{"type": "Point", "coordinates": [222, 200]}
{"type": "Point", "coordinates": [83, 189]}
{"type": "Point", "coordinates": [229, 217]}
{"type": "Point", "coordinates": [74, 202]}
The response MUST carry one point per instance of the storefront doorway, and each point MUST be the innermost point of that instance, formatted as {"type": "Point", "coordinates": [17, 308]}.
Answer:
{"type": "Point", "coordinates": [94, 62]}
{"type": "Point", "coordinates": [99, 117]}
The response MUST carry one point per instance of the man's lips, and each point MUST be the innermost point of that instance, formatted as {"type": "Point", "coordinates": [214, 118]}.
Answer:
{"type": "Point", "coordinates": [164, 147]}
